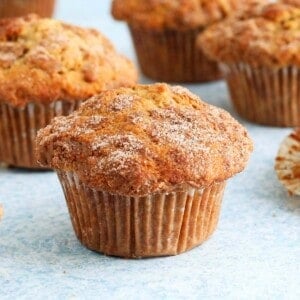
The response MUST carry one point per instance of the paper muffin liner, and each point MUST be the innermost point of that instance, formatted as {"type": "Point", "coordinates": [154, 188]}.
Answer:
{"type": "Point", "coordinates": [264, 95]}
{"type": "Point", "coordinates": [15, 8]}
{"type": "Point", "coordinates": [287, 163]}
{"type": "Point", "coordinates": [19, 127]}
{"type": "Point", "coordinates": [155, 225]}
{"type": "Point", "coordinates": [173, 56]}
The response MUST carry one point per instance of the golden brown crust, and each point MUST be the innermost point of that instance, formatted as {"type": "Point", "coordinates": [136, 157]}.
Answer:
{"type": "Point", "coordinates": [176, 14]}
{"type": "Point", "coordinates": [146, 139]}
{"type": "Point", "coordinates": [270, 38]}
{"type": "Point", "coordinates": [292, 2]}
{"type": "Point", "coordinates": [44, 60]}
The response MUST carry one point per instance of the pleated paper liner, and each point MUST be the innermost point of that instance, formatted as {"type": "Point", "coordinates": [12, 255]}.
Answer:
{"type": "Point", "coordinates": [17, 8]}
{"type": "Point", "coordinates": [265, 96]}
{"type": "Point", "coordinates": [155, 225]}
{"type": "Point", "coordinates": [172, 56]}
{"type": "Point", "coordinates": [19, 127]}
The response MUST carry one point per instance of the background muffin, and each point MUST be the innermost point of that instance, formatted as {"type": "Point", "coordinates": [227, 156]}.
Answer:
{"type": "Point", "coordinates": [144, 168]}
{"type": "Point", "coordinates": [292, 2]}
{"type": "Point", "coordinates": [18, 8]}
{"type": "Point", "coordinates": [261, 59]}
{"type": "Point", "coordinates": [164, 34]}
{"type": "Point", "coordinates": [46, 69]}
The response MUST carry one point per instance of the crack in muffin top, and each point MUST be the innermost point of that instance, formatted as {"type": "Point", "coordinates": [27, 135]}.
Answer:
{"type": "Point", "coordinates": [44, 60]}
{"type": "Point", "coordinates": [177, 14]}
{"type": "Point", "coordinates": [270, 38]}
{"type": "Point", "coordinates": [146, 139]}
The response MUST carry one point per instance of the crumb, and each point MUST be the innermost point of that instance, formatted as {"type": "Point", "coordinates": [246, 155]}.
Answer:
{"type": "Point", "coordinates": [1, 211]}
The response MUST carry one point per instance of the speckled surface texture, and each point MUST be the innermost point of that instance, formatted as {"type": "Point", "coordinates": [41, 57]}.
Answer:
{"type": "Point", "coordinates": [254, 254]}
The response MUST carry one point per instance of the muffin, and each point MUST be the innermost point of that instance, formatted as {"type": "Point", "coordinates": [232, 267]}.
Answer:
{"type": "Point", "coordinates": [144, 169]}
{"type": "Point", "coordinates": [18, 8]}
{"type": "Point", "coordinates": [46, 69]}
{"type": "Point", "coordinates": [292, 2]}
{"type": "Point", "coordinates": [164, 35]}
{"type": "Point", "coordinates": [261, 59]}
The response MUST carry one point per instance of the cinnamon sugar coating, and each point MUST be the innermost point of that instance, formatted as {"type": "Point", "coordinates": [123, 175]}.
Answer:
{"type": "Point", "coordinates": [271, 38]}
{"type": "Point", "coordinates": [177, 14]}
{"type": "Point", "coordinates": [44, 60]}
{"type": "Point", "coordinates": [146, 139]}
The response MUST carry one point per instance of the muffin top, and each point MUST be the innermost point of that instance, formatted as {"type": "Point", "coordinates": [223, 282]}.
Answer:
{"type": "Point", "coordinates": [177, 14]}
{"type": "Point", "coordinates": [293, 2]}
{"type": "Point", "coordinates": [271, 38]}
{"type": "Point", "coordinates": [44, 60]}
{"type": "Point", "coordinates": [146, 139]}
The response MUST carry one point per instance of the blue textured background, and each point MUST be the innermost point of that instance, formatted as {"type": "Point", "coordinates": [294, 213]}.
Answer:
{"type": "Point", "coordinates": [254, 254]}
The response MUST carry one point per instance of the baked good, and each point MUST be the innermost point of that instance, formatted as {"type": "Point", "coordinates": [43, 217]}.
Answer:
{"type": "Point", "coordinates": [46, 69]}
{"type": "Point", "coordinates": [164, 34]}
{"type": "Point", "coordinates": [292, 2]}
{"type": "Point", "coordinates": [287, 163]}
{"type": "Point", "coordinates": [144, 168]}
{"type": "Point", "coordinates": [18, 8]}
{"type": "Point", "coordinates": [261, 59]}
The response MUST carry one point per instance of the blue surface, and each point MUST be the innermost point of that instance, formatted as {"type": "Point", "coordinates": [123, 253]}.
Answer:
{"type": "Point", "coordinates": [254, 254]}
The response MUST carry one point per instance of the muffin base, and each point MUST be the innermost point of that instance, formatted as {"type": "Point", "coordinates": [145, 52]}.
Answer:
{"type": "Point", "coordinates": [17, 8]}
{"type": "Point", "coordinates": [265, 96]}
{"type": "Point", "coordinates": [19, 127]}
{"type": "Point", "coordinates": [173, 56]}
{"type": "Point", "coordinates": [134, 227]}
